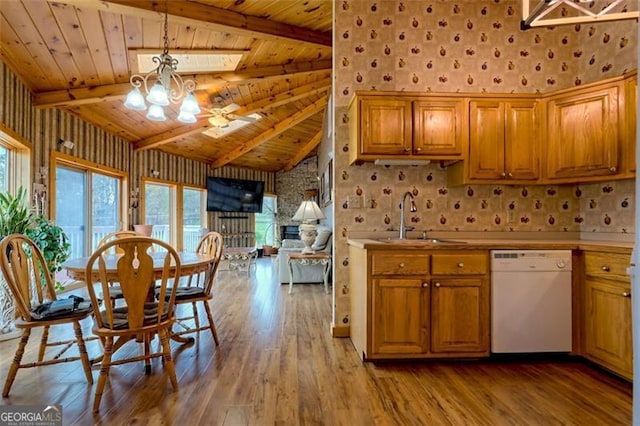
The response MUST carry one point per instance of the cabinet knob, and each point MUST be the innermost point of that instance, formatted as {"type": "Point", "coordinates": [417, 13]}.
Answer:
{"type": "Point", "coordinates": [510, 174]}
{"type": "Point", "coordinates": [606, 268]}
{"type": "Point", "coordinates": [613, 169]}
{"type": "Point", "coordinates": [418, 149]}
{"type": "Point", "coordinates": [401, 265]}
{"type": "Point", "coordinates": [503, 174]}
{"type": "Point", "coordinates": [461, 265]}
{"type": "Point", "coordinates": [425, 285]}
{"type": "Point", "coordinates": [407, 150]}
{"type": "Point", "coordinates": [437, 284]}
{"type": "Point", "coordinates": [626, 294]}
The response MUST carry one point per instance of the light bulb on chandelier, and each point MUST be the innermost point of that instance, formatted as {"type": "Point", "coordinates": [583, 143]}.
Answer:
{"type": "Point", "coordinates": [169, 87]}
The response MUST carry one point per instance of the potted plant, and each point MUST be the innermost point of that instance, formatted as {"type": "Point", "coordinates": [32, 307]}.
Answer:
{"type": "Point", "coordinates": [53, 242]}
{"type": "Point", "coordinates": [15, 213]}
{"type": "Point", "coordinates": [16, 217]}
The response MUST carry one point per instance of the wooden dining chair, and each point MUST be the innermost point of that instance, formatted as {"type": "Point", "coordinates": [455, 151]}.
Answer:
{"type": "Point", "coordinates": [115, 293]}
{"type": "Point", "coordinates": [199, 286]}
{"type": "Point", "coordinates": [33, 291]}
{"type": "Point", "coordinates": [143, 316]}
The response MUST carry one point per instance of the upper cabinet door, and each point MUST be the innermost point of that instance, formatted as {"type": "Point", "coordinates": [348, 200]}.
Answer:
{"type": "Point", "coordinates": [583, 134]}
{"type": "Point", "coordinates": [486, 140]}
{"type": "Point", "coordinates": [438, 127]}
{"type": "Point", "coordinates": [629, 137]}
{"type": "Point", "coordinates": [385, 127]}
{"type": "Point", "coordinates": [522, 130]}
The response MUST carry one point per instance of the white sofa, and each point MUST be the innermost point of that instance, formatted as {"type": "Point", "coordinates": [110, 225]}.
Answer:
{"type": "Point", "coordinates": [307, 273]}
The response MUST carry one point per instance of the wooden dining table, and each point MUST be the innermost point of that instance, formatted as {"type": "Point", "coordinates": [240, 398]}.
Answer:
{"type": "Point", "coordinates": [190, 263]}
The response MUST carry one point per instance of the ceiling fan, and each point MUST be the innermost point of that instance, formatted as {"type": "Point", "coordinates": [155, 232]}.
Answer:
{"type": "Point", "coordinates": [223, 116]}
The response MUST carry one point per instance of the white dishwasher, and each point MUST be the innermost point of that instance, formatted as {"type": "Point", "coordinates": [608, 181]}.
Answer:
{"type": "Point", "coordinates": [530, 301]}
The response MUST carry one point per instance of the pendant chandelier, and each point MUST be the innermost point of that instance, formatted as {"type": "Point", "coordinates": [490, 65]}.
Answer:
{"type": "Point", "coordinates": [169, 87]}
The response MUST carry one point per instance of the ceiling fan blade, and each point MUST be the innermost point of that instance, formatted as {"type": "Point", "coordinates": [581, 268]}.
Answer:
{"type": "Point", "coordinates": [218, 120]}
{"type": "Point", "coordinates": [242, 117]}
{"type": "Point", "coordinates": [230, 108]}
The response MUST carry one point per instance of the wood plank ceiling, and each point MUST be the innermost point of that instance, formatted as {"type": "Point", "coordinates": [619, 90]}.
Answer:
{"type": "Point", "coordinates": [76, 55]}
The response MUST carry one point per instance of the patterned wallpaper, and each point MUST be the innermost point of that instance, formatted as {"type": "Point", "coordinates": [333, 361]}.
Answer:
{"type": "Point", "coordinates": [465, 46]}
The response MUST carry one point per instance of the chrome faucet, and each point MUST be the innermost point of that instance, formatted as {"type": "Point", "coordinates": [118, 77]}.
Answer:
{"type": "Point", "coordinates": [412, 209]}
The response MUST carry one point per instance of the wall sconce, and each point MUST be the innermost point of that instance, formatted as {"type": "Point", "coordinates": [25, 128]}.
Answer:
{"type": "Point", "coordinates": [43, 173]}
{"type": "Point", "coordinates": [66, 144]}
{"type": "Point", "coordinates": [155, 173]}
{"type": "Point", "coordinates": [134, 198]}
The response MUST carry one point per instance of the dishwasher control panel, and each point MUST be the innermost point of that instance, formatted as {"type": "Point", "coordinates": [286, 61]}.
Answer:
{"type": "Point", "coordinates": [530, 260]}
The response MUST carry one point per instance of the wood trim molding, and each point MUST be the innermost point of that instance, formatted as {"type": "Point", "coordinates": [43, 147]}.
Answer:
{"type": "Point", "coordinates": [210, 82]}
{"type": "Point", "coordinates": [211, 18]}
{"type": "Point", "coordinates": [340, 330]}
{"type": "Point", "coordinates": [272, 132]}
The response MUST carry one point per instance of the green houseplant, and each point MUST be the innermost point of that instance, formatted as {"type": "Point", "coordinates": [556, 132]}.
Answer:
{"type": "Point", "coordinates": [16, 217]}
{"type": "Point", "coordinates": [52, 241]}
{"type": "Point", "coordinates": [15, 213]}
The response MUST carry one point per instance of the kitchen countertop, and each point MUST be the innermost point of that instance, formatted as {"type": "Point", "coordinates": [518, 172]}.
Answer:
{"type": "Point", "coordinates": [493, 243]}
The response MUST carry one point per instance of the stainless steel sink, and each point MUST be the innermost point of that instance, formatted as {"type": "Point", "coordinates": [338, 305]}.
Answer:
{"type": "Point", "coordinates": [420, 241]}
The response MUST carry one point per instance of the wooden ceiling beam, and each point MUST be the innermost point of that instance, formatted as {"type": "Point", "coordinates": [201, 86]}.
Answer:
{"type": "Point", "coordinates": [210, 18]}
{"type": "Point", "coordinates": [284, 98]}
{"type": "Point", "coordinates": [272, 132]}
{"type": "Point", "coordinates": [209, 82]}
{"type": "Point", "coordinates": [259, 106]}
{"type": "Point", "coordinates": [304, 151]}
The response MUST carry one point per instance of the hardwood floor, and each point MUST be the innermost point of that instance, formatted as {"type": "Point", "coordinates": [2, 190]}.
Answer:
{"type": "Point", "coordinates": [278, 364]}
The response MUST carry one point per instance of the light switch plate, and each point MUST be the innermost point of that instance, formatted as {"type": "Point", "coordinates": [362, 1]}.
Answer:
{"type": "Point", "coordinates": [355, 202]}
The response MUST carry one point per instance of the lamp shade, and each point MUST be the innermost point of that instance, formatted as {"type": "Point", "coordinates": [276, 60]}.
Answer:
{"type": "Point", "coordinates": [158, 95]}
{"type": "Point", "coordinates": [135, 100]}
{"type": "Point", "coordinates": [186, 117]}
{"type": "Point", "coordinates": [156, 113]}
{"type": "Point", "coordinates": [308, 212]}
{"type": "Point", "coordinates": [190, 105]}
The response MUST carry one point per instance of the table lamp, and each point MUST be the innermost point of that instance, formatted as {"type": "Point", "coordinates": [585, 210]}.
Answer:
{"type": "Point", "coordinates": [308, 213]}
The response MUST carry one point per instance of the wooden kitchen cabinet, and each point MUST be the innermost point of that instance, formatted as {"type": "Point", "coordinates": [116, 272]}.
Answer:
{"type": "Point", "coordinates": [458, 315]}
{"type": "Point", "coordinates": [630, 129]}
{"type": "Point", "coordinates": [438, 127]}
{"type": "Point", "coordinates": [504, 142]}
{"type": "Point", "coordinates": [385, 125]}
{"type": "Point", "coordinates": [397, 125]}
{"type": "Point", "coordinates": [419, 303]}
{"type": "Point", "coordinates": [459, 302]}
{"type": "Point", "coordinates": [400, 313]}
{"type": "Point", "coordinates": [607, 312]}
{"type": "Point", "coordinates": [583, 134]}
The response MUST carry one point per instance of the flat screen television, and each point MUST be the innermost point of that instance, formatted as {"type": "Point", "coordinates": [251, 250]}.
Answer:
{"type": "Point", "coordinates": [234, 195]}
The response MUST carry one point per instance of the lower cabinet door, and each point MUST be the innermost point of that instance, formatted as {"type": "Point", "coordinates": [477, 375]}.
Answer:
{"type": "Point", "coordinates": [459, 315]}
{"type": "Point", "coordinates": [400, 315]}
{"type": "Point", "coordinates": [608, 325]}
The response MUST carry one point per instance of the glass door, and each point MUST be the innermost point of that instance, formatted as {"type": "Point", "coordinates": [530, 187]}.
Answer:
{"type": "Point", "coordinates": [71, 211]}
{"type": "Point", "coordinates": [105, 207]}
{"type": "Point", "coordinates": [265, 224]}
{"type": "Point", "coordinates": [193, 217]}
{"type": "Point", "coordinates": [158, 207]}
{"type": "Point", "coordinates": [86, 216]}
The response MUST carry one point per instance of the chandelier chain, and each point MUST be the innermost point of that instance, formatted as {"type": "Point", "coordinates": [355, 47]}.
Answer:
{"type": "Point", "coordinates": [166, 27]}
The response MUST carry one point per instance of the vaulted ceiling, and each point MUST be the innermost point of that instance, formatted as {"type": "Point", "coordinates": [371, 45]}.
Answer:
{"type": "Point", "coordinates": [78, 56]}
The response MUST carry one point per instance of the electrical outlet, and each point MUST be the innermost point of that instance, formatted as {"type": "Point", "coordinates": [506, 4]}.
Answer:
{"type": "Point", "coordinates": [368, 202]}
{"type": "Point", "coordinates": [355, 202]}
{"type": "Point", "coordinates": [511, 217]}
